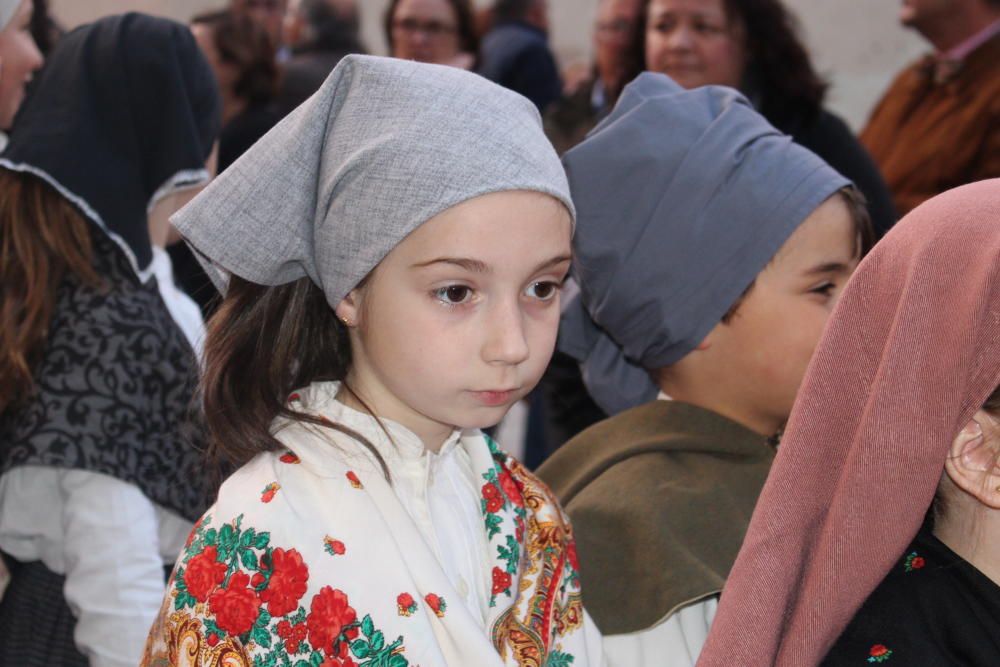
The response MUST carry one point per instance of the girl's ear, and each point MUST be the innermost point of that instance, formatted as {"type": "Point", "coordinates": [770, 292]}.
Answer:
{"type": "Point", "coordinates": [349, 309]}
{"type": "Point", "coordinates": [972, 462]}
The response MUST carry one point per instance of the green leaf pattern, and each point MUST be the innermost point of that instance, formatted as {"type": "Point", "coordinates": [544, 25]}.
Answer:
{"type": "Point", "coordinates": [246, 550]}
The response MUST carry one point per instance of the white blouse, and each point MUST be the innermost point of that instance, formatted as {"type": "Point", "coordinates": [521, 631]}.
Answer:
{"type": "Point", "coordinates": [183, 310]}
{"type": "Point", "coordinates": [440, 493]}
{"type": "Point", "coordinates": [109, 541]}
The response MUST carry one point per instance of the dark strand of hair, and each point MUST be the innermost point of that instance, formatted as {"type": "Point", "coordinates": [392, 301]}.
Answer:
{"type": "Point", "coordinates": [263, 343]}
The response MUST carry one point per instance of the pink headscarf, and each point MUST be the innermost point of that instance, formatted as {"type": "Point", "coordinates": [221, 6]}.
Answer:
{"type": "Point", "coordinates": [911, 352]}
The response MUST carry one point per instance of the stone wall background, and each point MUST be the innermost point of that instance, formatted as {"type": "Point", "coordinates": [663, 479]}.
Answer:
{"type": "Point", "coordinates": [858, 44]}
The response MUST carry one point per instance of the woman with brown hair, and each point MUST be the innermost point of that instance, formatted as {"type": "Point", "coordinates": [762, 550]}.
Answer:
{"type": "Point", "coordinates": [100, 477]}
{"type": "Point", "coordinates": [432, 31]}
{"type": "Point", "coordinates": [242, 56]}
{"type": "Point", "coordinates": [752, 45]}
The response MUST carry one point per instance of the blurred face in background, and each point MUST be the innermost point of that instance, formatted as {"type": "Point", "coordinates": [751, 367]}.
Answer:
{"type": "Point", "coordinates": [270, 14]}
{"type": "Point", "coordinates": [225, 73]}
{"type": "Point", "coordinates": [425, 30]}
{"type": "Point", "coordinates": [19, 59]}
{"type": "Point", "coordinates": [614, 30]}
{"type": "Point", "coordinates": [695, 43]}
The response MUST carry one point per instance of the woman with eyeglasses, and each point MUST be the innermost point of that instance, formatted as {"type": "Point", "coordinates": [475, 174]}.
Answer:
{"type": "Point", "coordinates": [432, 31]}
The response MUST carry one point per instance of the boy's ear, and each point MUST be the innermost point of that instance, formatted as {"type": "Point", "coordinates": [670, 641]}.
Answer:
{"type": "Point", "coordinates": [972, 460]}
{"type": "Point", "coordinates": [349, 309]}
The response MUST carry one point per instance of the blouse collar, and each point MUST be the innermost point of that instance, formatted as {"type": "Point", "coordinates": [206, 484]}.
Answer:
{"type": "Point", "coordinates": [394, 442]}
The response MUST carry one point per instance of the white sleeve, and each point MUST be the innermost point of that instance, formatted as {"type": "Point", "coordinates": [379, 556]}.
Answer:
{"type": "Point", "coordinates": [114, 572]}
{"type": "Point", "coordinates": [676, 642]}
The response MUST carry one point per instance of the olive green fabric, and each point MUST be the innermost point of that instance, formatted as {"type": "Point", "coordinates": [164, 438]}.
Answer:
{"type": "Point", "coordinates": [660, 497]}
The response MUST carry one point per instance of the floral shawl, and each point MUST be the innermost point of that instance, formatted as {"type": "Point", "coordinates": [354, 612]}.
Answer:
{"type": "Point", "coordinates": [308, 558]}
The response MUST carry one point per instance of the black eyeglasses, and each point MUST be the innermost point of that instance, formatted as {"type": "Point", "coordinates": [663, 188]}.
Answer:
{"type": "Point", "coordinates": [429, 28]}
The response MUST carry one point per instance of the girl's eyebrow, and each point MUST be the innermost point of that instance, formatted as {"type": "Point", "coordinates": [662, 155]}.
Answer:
{"type": "Point", "coordinates": [477, 266]}
{"type": "Point", "coordinates": [473, 265]}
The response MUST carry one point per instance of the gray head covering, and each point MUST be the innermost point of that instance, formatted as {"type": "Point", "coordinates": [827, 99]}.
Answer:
{"type": "Point", "coordinates": [683, 197]}
{"type": "Point", "coordinates": [382, 147]}
{"type": "Point", "coordinates": [7, 9]}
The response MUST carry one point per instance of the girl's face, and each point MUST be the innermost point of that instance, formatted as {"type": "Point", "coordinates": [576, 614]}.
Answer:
{"type": "Point", "coordinates": [695, 43]}
{"type": "Point", "coordinates": [459, 321]}
{"type": "Point", "coordinates": [425, 31]}
{"type": "Point", "coordinates": [19, 59]}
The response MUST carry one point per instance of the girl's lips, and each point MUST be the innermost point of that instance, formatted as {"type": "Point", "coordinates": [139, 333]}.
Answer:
{"type": "Point", "coordinates": [494, 398]}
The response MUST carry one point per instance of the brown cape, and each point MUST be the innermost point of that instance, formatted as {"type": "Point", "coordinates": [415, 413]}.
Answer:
{"type": "Point", "coordinates": [660, 497]}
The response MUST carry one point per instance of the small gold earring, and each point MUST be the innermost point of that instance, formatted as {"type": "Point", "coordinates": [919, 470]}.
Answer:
{"type": "Point", "coordinates": [347, 321]}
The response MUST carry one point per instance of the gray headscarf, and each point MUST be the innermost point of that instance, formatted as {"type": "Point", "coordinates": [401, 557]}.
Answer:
{"type": "Point", "coordinates": [683, 197]}
{"type": "Point", "coordinates": [381, 148]}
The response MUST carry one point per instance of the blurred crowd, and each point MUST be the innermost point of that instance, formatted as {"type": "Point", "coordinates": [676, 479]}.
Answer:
{"type": "Point", "coordinates": [108, 130]}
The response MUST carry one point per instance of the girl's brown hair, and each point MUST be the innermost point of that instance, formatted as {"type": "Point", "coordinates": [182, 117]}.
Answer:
{"type": "Point", "coordinates": [43, 239]}
{"type": "Point", "coordinates": [263, 343]}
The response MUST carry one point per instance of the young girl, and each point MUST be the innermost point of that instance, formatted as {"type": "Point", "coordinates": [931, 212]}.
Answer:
{"type": "Point", "coordinates": [99, 481]}
{"type": "Point", "coordinates": [889, 469]}
{"type": "Point", "coordinates": [394, 249]}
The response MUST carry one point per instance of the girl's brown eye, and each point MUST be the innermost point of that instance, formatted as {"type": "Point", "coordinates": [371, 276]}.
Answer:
{"type": "Point", "coordinates": [453, 294]}
{"type": "Point", "coordinates": [543, 291]}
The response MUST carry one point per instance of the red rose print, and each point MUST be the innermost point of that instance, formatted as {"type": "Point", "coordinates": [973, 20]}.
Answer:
{"type": "Point", "coordinates": [878, 650]}
{"type": "Point", "coordinates": [294, 397]}
{"type": "Point", "coordinates": [494, 498]}
{"type": "Point", "coordinates": [213, 639]}
{"type": "Point", "coordinates": [329, 612]}
{"type": "Point", "coordinates": [519, 529]}
{"type": "Point", "coordinates": [436, 603]}
{"type": "Point", "coordinates": [289, 575]}
{"type": "Point", "coordinates": [235, 607]}
{"type": "Point", "coordinates": [343, 659]}
{"type": "Point", "coordinates": [267, 495]}
{"type": "Point", "coordinates": [510, 489]}
{"type": "Point", "coordinates": [293, 635]}
{"type": "Point", "coordinates": [353, 479]}
{"type": "Point", "coordinates": [289, 457]}
{"type": "Point", "coordinates": [334, 547]}
{"type": "Point", "coordinates": [405, 604]}
{"type": "Point", "coordinates": [914, 562]}
{"type": "Point", "coordinates": [257, 580]}
{"type": "Point", "coordinates": [204, 573]}
{"type": "Point", "coordinates": [501, 581]}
